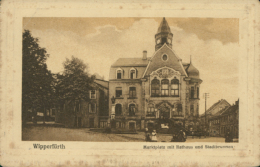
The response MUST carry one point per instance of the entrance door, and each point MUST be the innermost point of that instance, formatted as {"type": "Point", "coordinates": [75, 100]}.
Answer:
{"type": "Point", "coordinates": [150, 126]}
{"type": "Point", "coordinates": [165, 113]}
{"type": "Point", "coordinates": [91, 122]}
{"type": "Point", "coordinates": [131, 125]}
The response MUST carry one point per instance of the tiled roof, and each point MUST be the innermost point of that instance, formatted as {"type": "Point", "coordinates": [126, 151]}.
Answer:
{"type": "Point", "coordinates": [129, 62]}
{"type": "Point", "coordinates": [213, 106]}
{"type": "Point", "coordinates": [230, 110]}
{"type": "Point", "coordinates": [221, 111]}
{"type": "Point", "coordinates": [102, 83]}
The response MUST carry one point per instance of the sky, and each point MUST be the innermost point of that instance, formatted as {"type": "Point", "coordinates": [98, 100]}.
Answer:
{"type": "Point", "coordinates": [213, 44]}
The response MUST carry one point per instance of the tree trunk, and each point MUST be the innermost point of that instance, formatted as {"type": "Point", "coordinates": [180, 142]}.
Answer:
{"type": "Point", "coordinates": [44, 114]}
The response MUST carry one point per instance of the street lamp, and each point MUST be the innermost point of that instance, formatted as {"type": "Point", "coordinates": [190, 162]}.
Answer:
{"type": "Point", "coordinates": [206, 95]}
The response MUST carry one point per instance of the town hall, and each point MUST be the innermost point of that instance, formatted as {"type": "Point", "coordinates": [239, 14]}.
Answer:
{"type": "Point", "coordinates": [154, 92]}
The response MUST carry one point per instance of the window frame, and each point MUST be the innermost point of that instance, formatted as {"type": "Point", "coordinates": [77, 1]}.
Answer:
{"type": "Point", "coordinates": [192, 91]}
{"type": "Point", "coordinates": [116, 111]}
{"type": "Point", "coordinates": [178, 87]}
{"type": "Point", "coordinates": [130, 112]}
{"type": "Point", "coordinates": [149, 112]}
{"type": "Point", "coordinates": [118, 93]}
{"type": "Point", "coordinates": [119, 71]}
{"type": "Point", "coordinates": [90, 108]}
{"type": "Point", "coordinates": [192, 109]}
{"type": "Point", "coordinates": [163, 91]}
{"type": "Point", "coordinates": [132, 93]}
{"type": "Point", "coordinates": [156, 86]}
{"type": "Point", "coordinates": [134, 74]}
{"type": "Point", "coordinates": [90, 94]}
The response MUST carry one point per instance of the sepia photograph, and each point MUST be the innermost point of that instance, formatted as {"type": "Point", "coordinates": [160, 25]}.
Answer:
{"type": "Point", "coordinates": [112, 83]}
{"type": "Point", "coordinates": [130, 79]}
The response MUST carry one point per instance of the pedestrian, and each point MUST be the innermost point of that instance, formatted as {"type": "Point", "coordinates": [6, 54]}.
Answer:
{"type": "Point", "coordinates": [228, 136]}
{"type": "Point", "coordinates": [154, 138]}
{"type": "Point", "coordinates": [147, 135]}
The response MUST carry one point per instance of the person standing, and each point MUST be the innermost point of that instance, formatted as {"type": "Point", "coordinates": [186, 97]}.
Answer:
{"type": "Point", "coordinates": [154, 138]}
{"type": "Point", "coordinates": [147, 135]}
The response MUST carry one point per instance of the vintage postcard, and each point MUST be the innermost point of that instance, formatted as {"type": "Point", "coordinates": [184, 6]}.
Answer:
{"type": "Point", "coordinates": [130, 84]}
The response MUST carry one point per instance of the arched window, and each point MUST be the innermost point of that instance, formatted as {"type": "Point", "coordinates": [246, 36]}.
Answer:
{"type": "Point", "coordinates": [155, 87]}
{"type": "Point", "coordinates": [150, 110]}
{"type": "Point", "coordinates": [132, 73]}
{"type": "Point", "coordinates": [175, 87]}
{"type": "Point", "coordinates": [131, 109]}
{"type": "Point", "coordinates": [119, 74]}
{"type": "Point", "coordinates": [118, 109]}
{"type": "Point", "coordinates": [165, 87]}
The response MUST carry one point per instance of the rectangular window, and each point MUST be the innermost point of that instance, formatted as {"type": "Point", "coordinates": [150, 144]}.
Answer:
{"type": "Point", "coordinates": [131, 109]}
{"type": "Point", "coordinates": [92, 108]}
{"type": "Point", "coordinates": [151, 110]}
{"type": "Point", "coordinates": [192, 92]}
{"type": "Point", "coordinates": [165, 90]}
{"type": "Point", "coordinates": [103, 124]}
{"type": "Point", "coordinates": [192, 110]}
{"type": "Point", "coordinates": [92, 94]}
{"type": "Point", "coordinates": [118, 91]}
{"type": "Point", "coordinates": [198, 92]}
{"type": "Point", "coordinates": [132, 92]}
{"type": "Point", "coordinates": [179, 109]}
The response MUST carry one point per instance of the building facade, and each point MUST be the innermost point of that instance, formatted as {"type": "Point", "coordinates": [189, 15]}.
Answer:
{"type": "Point", "coordinates": [151, 92]}
{"type": "Point", "coordinates": [92, 113]}
{"type": "Point", "coordinates": [213, 111]}
{"type": "Point", "coordinates": [226, 119]}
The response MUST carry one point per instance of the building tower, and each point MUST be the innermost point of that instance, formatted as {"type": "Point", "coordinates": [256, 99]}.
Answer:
{"type": "Point", "coordinates": [164, 35]}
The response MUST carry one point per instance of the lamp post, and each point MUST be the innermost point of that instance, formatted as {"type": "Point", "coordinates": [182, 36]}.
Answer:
{"type": "Point", "coordinates": [206, 95]}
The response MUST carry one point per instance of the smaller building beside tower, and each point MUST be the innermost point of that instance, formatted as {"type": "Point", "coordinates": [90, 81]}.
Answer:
{"type": "Point", "coordinates": [225, 120]}
{"type": "Point", "coordinates": [214, 110]}
{"type": "Point", "coordinates": [92, 113]}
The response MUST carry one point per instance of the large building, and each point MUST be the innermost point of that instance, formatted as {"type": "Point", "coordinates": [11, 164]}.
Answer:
{"type": "Point", "coordinates": [154, 91]}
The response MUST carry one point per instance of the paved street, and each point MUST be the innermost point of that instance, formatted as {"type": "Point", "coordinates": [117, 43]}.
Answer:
{"type": "Point", "coordinates": [49, 133]}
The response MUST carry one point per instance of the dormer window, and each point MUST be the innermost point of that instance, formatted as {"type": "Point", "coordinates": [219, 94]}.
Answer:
{"type": "Point", "coordinates": [132, 73]}
{"type": "Point", "coordinates": [119, 74]}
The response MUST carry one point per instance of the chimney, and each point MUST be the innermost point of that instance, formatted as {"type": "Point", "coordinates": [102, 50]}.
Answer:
{"type": "Point", "coordinates": [144, 55]}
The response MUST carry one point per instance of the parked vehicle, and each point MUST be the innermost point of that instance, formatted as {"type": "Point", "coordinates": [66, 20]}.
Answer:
{"type": "Point", "coordinates": [179, 137]}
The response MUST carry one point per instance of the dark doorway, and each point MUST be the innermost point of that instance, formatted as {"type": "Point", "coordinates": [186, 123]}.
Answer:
{"type": "Point", "coordinates": [113, 124]}
{"type": "Point", "coordinates": [150, 126]}
{"type": "Point", "coordinates": [131, 125]}
{"type": "Point", "coordinates": [91, 122]}
{"type": "Point", "coordinates": [79, 122]}
{"type": "Point", "coordinates": [164, 113]}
